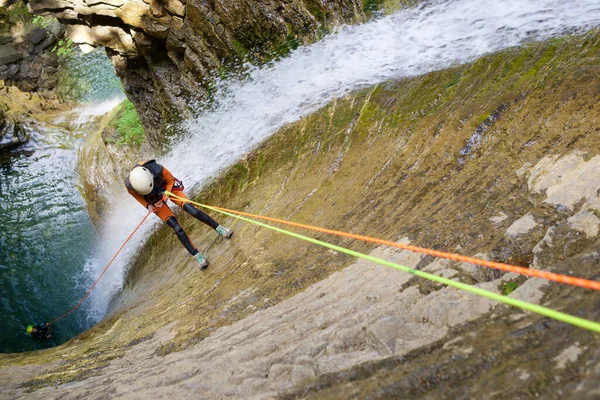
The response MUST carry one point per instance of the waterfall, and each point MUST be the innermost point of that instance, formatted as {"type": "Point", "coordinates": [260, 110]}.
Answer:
{"type": "Point", "coordinates": [433, 36]}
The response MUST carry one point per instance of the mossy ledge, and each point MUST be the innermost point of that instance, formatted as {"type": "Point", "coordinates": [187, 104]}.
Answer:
{"type": "Point", "coordinates": [418, 158]}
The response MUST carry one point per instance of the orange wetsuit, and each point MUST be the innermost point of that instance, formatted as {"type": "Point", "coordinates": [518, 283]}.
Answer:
{"type": "Point", "coordinates": [165, 181]}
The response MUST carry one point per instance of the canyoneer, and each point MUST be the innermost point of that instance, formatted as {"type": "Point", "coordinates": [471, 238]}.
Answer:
{"type": "Point", "coordinates": [147, 182]}
{"type": "Point", "coordinates": [40, 331]}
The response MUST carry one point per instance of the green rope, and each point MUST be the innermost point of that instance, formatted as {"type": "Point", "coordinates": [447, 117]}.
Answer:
{"type": "Point", "coordinates": [557, 315]}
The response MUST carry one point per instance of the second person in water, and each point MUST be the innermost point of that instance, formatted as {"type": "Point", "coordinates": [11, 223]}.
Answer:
{"type": "Point", "coordinates": [147, 182]}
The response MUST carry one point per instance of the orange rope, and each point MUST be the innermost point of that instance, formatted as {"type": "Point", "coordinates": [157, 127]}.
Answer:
{"type": "Point", "coordinates": [97, 280]}
{"type": "Point", "coordinates": [569, 280]}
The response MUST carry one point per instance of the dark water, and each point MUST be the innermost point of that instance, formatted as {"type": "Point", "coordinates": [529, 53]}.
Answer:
{"type": "Point", "coordinates": [45, 239]}
{"type": "Point", "coordinates": [46, 236]}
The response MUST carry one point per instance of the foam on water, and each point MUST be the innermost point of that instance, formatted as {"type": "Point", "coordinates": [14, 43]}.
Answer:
{"type": "Point", "coordinates": [434, 36]}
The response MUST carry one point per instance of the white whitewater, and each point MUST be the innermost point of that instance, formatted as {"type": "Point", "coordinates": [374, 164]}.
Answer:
{"type": "Point", "coordinates": [434, 36]}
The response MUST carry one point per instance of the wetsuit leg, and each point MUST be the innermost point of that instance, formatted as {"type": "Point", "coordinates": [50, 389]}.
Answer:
{"type": "Point", "coordinates": [181, 235]}
{"type": "Point", "coordinates": [201, 216]}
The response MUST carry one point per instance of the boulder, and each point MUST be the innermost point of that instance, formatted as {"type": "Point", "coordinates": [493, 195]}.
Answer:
{"type": "Point", "coordinates": [25, 47]}
{"type": "Point", "coordinates": [34, 33]}
{"type": "Point", "coordinates": [157, 27]}
{"type": "Point", "coordinates": [55, 28]}
{"type": "Point", "coordinates": [44, 44]}
{"type": "Point", "coordinates": [8, 54]}
{"type": "Point", "coordinates": [27, 85]}
{"type": "Point", "coordinates": [175, 7]}
{"type": "Point", "coordinates": [131, 13]}
{"type": "Point", "coordinates": [110, 36]}
{"type": "Point", "coordinates": [49, 78]}
{"type": "Point", "coordinates": [115, 3]}
{"type": "Point", "coordinates": [6, 37]}
{"type": "Point", "coordinates": [9, 71]}
{"type": "Point", "coordinates": [49, 5]}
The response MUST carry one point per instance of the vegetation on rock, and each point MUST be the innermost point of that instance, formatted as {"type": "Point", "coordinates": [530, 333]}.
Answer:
{"type": "Point", "coordinates": [509, 287]}
{"type": "Point", "coordinates": [16, 12]}
{"type": "Point", "coordinates": [129, 129]}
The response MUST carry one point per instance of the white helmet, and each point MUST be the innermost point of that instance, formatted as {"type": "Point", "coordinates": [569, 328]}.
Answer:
{"type": "Point", "coordinates": [141, 180]}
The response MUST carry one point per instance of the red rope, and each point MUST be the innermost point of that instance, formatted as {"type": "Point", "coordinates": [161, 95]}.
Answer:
{"type": "Point", "coordinates": [97, 280]}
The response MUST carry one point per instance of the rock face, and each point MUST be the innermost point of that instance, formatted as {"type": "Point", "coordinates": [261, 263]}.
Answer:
{"type": "Point", "coordinates": [25, 57]}
{"type": "Point", "coordinates": [12, 133]}
{"type": "Point", "coordinates": [168, 52]}
{"type": "Point", "coordinates": [271, 310]}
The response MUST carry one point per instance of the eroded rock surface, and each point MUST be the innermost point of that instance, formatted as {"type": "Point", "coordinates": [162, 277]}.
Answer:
{"type": "Point", "coordinates": [383, 162]}
{"type": "Point", "coordinates": [354, 316]}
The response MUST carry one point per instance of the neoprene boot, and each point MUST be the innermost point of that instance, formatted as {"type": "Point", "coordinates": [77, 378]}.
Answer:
{"type": "Point", "coordinates": [202, 261]}
{"type": "Point", "coordinates": [225, 232]}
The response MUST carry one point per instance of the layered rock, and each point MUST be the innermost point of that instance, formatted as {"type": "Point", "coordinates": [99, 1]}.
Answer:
{"type": "Point", "coordinates": [26, 59]}
{"type": "Point", "coordinates": [168, 52]}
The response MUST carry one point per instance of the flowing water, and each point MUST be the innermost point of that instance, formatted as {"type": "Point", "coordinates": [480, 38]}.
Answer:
{"type": "Point", "coordinates": [46, 236]}
{"type": "Point", "coordinates": [433, 36]}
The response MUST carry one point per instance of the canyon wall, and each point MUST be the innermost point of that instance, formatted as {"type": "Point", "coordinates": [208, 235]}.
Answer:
{"type": "Point", "coordinates": [498, 158]}
{"type": "Point", "coordinates": [168, 52]}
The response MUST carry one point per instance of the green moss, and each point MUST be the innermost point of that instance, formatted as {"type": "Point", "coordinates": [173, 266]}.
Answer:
{"type": "Point", "coordinates": [509, 287]}
{"type": "Point", "coordinates": [481, 118]}
{"type": "Point", "coordinates": [391, 6]}
{"type": "Point", "coordinates": [292, 42]}
{"type": "Point", "coordinates": [242, 175]}
{"type": "Point", "coordinates": [455, 79]}
{"type": "Point", "coordinates": [322, 32]}
{"type": "Point", "coordinates": [542, 61]}
{"type": "Point", "coordinates": [558, 40]}
{"type": "Point", "coordinates": [514, 65]}
{"type": "Point", "coordinates": [128, 126]}
{"type": "Point", "coordinates": [316, 12]}
{"type": "Point", "coordinates": [370, 6]}
{"type": "Point", "coordinates": [239, 48]}
{"type": "Point", "coordinates": [283, 48]}
{"type": "Point", "coordinates": [261, 162]}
